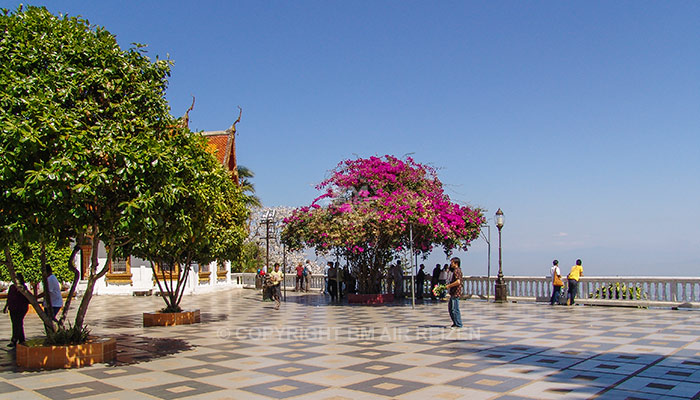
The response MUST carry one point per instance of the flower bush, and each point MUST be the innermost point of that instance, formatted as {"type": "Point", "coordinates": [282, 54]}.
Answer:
{"type": "Point", "coordinates": [367, 209]}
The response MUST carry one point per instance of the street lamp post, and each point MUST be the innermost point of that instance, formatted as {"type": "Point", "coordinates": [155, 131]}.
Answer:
{"type": "Point", "coordinates": [267, 219]}
{"type": "Point", "coordinates": [500, 290]}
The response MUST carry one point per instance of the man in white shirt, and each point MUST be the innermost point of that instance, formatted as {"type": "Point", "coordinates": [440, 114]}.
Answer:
{"type": "Point", "coordinates": [52, 297]}
{"type": "Point", "coordinates": [325, 277]}
{"type": "Point", "coordinates": [556, 290]}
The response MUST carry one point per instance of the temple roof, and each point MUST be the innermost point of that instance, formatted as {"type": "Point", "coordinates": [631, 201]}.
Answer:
{"type": "Point", "coordinates": [217, 143]}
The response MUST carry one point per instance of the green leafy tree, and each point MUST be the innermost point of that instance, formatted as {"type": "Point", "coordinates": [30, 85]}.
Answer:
{"type": "Point", "coordinates": [200, 217]}
{"type": "Point", "coordinates": [250, 258]}
{"type": "Point", "coordinates": [27, 260]}
{"type": "Point", "coordinates": [85, 133]}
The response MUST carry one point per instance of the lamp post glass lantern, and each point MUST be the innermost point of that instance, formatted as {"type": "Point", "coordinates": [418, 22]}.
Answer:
{"type": "Point", "coordinates": [500, 289]}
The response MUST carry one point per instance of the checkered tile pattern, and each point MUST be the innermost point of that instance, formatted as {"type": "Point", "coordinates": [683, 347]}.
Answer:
{"type": "Point", "coordinates": [312, 349]}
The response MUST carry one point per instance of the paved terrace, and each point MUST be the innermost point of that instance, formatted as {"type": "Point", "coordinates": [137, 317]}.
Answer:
{"type": "Point", "coordinates": [243, 349]}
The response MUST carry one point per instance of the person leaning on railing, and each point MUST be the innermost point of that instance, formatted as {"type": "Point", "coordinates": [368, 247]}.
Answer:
{"type": "Point", "coordinates": [573, 278]}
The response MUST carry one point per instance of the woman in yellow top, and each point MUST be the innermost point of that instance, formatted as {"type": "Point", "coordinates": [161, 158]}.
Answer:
{"type": "Point", "coordinates": [573, 278]}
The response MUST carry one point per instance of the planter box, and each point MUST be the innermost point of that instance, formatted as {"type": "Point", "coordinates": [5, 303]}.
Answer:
{"type": "Point", "coordinates": [170, 319]}
{"type": "Point", "coordinates": [371, 298]}
{"type": "Point", "coordinates": [97, 350]}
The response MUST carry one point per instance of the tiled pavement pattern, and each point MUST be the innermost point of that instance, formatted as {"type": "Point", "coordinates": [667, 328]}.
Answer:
{"type": "Point", "coordinates": [309, 349]}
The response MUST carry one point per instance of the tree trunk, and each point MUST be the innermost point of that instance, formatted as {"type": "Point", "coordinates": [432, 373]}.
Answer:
{"type": "Point", "coordinates": [94, 276]}
{"type": "Point", "coordinates": [74, 285]}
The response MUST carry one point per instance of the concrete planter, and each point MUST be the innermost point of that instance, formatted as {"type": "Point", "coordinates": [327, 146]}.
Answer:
{"type": "Point", "coordinates": [370, 298]}
{"type": "Point", "coordinates": [171, 319]}
{"type": "Point", "coordinates": [96, 350]}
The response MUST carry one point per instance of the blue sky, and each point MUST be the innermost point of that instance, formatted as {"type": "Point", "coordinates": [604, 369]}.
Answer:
{"type": "Point", "coordinates": [580, 120]}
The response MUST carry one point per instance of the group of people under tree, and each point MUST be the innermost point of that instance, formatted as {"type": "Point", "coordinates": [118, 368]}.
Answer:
{"type": "Point", "coordinates": [303, 277]}
{"type": "Point", "coordinates": [338, 281]}
{"type": "Point", "coordinates": [572, 282]}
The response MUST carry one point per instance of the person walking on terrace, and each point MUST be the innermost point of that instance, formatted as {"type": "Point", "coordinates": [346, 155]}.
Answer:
{"type": "Point", "coordinates": [276, 278]}
{"type": "Point", "coordinates": [434, 280]}
{"type": "Point", "coordinates": [573, 278]}
{"type": "Point", "coordinates": [455, 289]}
{"type": "Point", "coordinates": [18, 306]}
{"type": "Point", "coordinates": [556, 283]}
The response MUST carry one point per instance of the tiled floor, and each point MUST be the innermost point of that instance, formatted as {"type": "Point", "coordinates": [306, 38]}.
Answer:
{"type": "Point", "coordinates": [244, 349]}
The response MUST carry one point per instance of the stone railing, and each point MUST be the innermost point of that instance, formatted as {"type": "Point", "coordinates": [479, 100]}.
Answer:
{"type": "Point", "coordinates": [638, 291]}
{"type": "Point", "coordinates": [604, 290]}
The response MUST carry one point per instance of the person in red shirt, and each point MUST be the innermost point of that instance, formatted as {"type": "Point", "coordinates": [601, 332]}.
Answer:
{"type": "Point", "coordinates": [300, 278]}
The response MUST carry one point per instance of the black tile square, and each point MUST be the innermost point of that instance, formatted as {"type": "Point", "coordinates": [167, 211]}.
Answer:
{"type": "Point", "coordinates": [8, 388]}
{"type": "Point", "coordinates": [289, 370]}
{"type": "Point", "coordinates": [489, 383]}
{"type": "Point", "coordinates": [200, 371]}
{"type": "Point", "coordinates": [377, 367]}
{"type": "Point", "coordinates": [468, 365]}
{"type": "Point", "coordinates": [370, 353]}
{"type": "Point", "coordinates": [217, 356]}
{"type": "Point", "coordinates": [114, 372]}
{"type": "Point", "coordinates": [177, 390]}
{"type": "Point", "coordinates": [77, 390]}
{"type": "Point", "coordinates": [295, 355]}
{"type": "Point", "coordinates": [300, 345]}
{"type": "Point", "coordinates": [229, 346]}
{"type": "Point", "coordinates": [387, 386]}
{"type": "Point", "coordinates": [366, 343]}
{"type": "Point", "coordinates": [283, 389]}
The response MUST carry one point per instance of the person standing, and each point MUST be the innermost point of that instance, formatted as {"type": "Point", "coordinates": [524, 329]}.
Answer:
{"type": "Point", "coordinates": [455, 289]}
{"type": "Point", "coordinates": [339, 280]}
{"type": "Point", "coordinates": [420, 280]}
{"type": "Point", "coordinates": [326, 288]}
{"type": "Point", "coordinates": [434, 280]}
{"type": "Point", "coordinates": [307, 275]}
{"type": "Point", "coordinates": [442, 280]}
{"type": "Point", "coordinates": [276, 280]}
{"type": "Point", "coordinates": [299, 281]}
{"type": "Point", "coordinates": [350, 281]}
{"type": "Point", "coordinates": [332, 282]}
{"type": "Point", "coordinates": [398, 281]}
{"type": "Point", "coordinates": [573, 278]}
{"type": "Point", "coordinates": [556, 278]}
{"type": "Point", "coordinates": [18, 306]}
{"type": "Point", "coordinates": [390, 279]}
{"type": "Point", "coordinates": [52, 295]}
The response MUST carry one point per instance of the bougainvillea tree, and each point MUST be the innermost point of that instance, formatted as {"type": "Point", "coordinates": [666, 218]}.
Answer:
{"type": "Point", "coordinates": [368, 209]}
